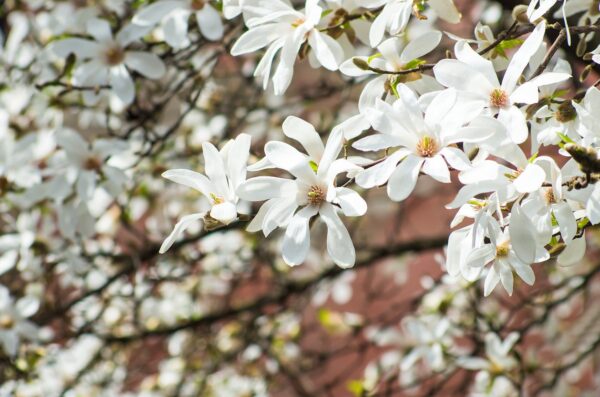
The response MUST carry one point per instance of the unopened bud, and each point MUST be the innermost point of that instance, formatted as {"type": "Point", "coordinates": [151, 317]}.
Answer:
{"type": "Point", "coordinates": [581, 47]}
{"type": "Point", "coordinates": [566, 112]}
{"type": "Point", "coordinates": [585, 72]}
{"type": "Point", "coordinates": [586, 157]}
{"type": "Point", "coordinates": [519, 13]}
{"type": "Point", "coordinates": [473, 153]}
{"type": "Point", "coordinates": [360, 63]}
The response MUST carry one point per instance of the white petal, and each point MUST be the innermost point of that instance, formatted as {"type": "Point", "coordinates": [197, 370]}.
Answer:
{"type": "Point", "coordinates": [437, 168]}
{"type": "Point", "coordinates": [339, 242]}
{"type": "Point", "coordinates": [28, 306]}
{"type": "Point", "coordinates": [327, 50]}
{"type": "Point", "coordinates": [379, 174]}
{"type": "Point", "coordinates": [491, 281]}
{"type": "Point", "coordinates": [147, 64]}
{"type": "Point", "coordinates": [506, 277]}
{"type": "Point", "coordinates": [152, 14]}
{"type": "Point", "coordinates": [122, 84]}
{"type": "Point", "coordinates": [191, 179]}
{"type": "Point", "coordinates": [266, 187]}
{"type": "Point", "coordinates": [304, 132]}
{"type": "Point", "coordinates": [515, 123]}
{"type": "Point", "coordinates": [209, 23]}
{"type": "Point", "coordinates": [180, 227]}
{"type": "Point", "coordinates": [480, 256]}
{"type": "Point", "coordinates": [521, 58]}
{"type": "Point", "coordinates": [566, 220]}
{"type": "Point", "coordinates": [286, 157]}
{"type": "Point", "coordinates": [404, 178]}
{"type": "Point", "coordinates": [522, 235]}
{"type": "Point", "coordinates": [531, 179]}
{"type": "Point", "coordinates": [99, 29]}
{"type": "Point", "coordinates": [455, 74]}
{"type": "Point", "coordinates": [225, 212]}
{"type": "Point", "coordinates": [351, 202]}
{"type": "Point", "coordinates": [214, 166]}
{"type": "Point", "coordinates": [420, 46]}
{"type": "Point", "coordinates": [296, 241]}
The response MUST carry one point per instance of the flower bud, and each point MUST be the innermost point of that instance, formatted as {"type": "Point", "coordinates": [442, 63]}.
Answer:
{"type": "Point", "coordinates": [519, 13]}
{"type": "Point", "coordinates": [360, 63]}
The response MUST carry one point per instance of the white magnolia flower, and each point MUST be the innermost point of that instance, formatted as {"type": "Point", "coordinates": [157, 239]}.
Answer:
{"type": "Point", "coordinates": [107, 61]}
{"type": "Point", "coordinates": [90, 163]}
{"type": "Point", "coordinates": [14, 323]}
{"type": "Point", "coordinates": [430, 336]}
{"type": "Point", "coordinates": [284, 29]}
{"type": "Point", "coordinates": [395, 55]}
{"type": "Point", "coordinates": [484, 37]}
{"type": "Point", "coordinates": [395, 14]}
{"type": "Point", "coordinates": [173, 16]}
{"type": "Point", "coordinates": [525, 176]}
{"type": "Point", "coordinates": [313, 191]}
{"type": "Point", "coordinates": [475, 77]}
{"type": "Point", "coordinates": [225, 171]}
{"type": "Point", "coordinates": [513, 248]}
{"type": "Point", "coordinates": [426, 142]}
{"type": "Point", "coordinates": [497, 364]}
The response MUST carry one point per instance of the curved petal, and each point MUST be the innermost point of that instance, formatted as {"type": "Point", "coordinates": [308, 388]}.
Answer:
{"type": "Point", "coordinates": [327, 51]}
{"type": "Point", "coordinates": [284, 156]}
{"type": "Point", "coordinates": [436, 168]}
{"type": "Point", "coordinates": [266, 187]}
{"type": "Point", "coordinates": [351, 202]}
{"type": "Point", "coordinates": [339, 242]}
{"type": "Point", "coordinates": [180, 227]}
{"type": "Point", "coordinates": [225, 212]}
{"type": "Point", "coordinates": [147, 64]}
{"type": "Point", "coordinates": [191, 179]}
{"type": "Point", "coordinates": [296, 241]}
{"type": "Point", "coordinates": [304, 133]}
{"type": "Point", "coordinates": [209, 23]}
{"type": "Point", "coordinates": [404, 178]}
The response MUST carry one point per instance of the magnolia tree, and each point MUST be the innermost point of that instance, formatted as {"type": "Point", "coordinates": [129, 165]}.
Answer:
{"type": "Point", "coordinates": [299, 198]}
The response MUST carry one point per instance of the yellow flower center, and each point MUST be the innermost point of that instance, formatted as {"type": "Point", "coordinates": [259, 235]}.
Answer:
{"type": "Point", "coordinates": [216, 199]}
{"type": "Point", "coordinates": [298, 22]}
{"type": "Point", "coordinates": [502, 249]}
{"type": "Point", "coordinates": [114, 55]}
{"type": "Point", "coordinates": [498, 98]}
{"type": "Point", "coordinates": [315, 195]}
{"type": "Point", "coordinates": [6, 321]}
{"type": "Point", "coordinates": [427, 147]}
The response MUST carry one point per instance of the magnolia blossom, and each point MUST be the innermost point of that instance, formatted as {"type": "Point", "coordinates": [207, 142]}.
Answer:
{"type": "Point", "coordinates": [107, 61]}
{"type": "Point", "coordinates": [475, 77]}
{"type": "Point", "coordinates": [395, 55]}
{"type": "Point", "coordinates": [395, 15]}
{"type": "Point", "coordinates": [225, 171]}
{"type": "Point", "coordinates": [282, 28]}
{"type": "Point", "coordinates": [498, 361]}
{"type": "Point", "coordinates": [425, 141]}
{"type": "Point", "coordinates": [431, 338]}
{"type": "Point", "coordinates": [313, 191]}
{"type": "Point", "coordinates": [14, 323]}
{"type": "Point", "coordinates": [513, 248]}
{"type": "Point", "coordinates": [174, 15]}
{"type": "Point", "coordinates": [89, 164]}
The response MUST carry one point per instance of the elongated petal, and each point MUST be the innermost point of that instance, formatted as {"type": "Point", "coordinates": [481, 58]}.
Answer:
{"type": "Point", "coordinates": [351, 202]}
{"type": "Point", "coordinates": [180, 227]}
{"type": "Point", "coordinates": [286, 157]}
{"type": "Point", "coordinates": [209, 23]}
{"type": "Point", "coordinates": [420, 46]}
{"type": "Point", "coordinates": [191, 179]}
{"type": "Point", "coordinates": [437, 168]}
{"type": "Point", "coordinates": [480, 256]}
{"type": "Point", "coordinates": [304, 132]}
{"type": "Point", "coordinates": [122, 84]}
{"type": "Point", "coordinates": [266, 187]}
{"type": "Point", "coordinates": [522, 235]}
{"type": "Point", "coordinates": [237, 159]}
{"type": "Point", "coordinates": [514, 121]}
{"type": "Point", "coordinates": [521, 58]}
{"type": "Point", "coordinates": [328, 51]}
{"type": "Point", "coordinates": [153, 13]}
{"type": "Point", "coordinates": [491, 281]}
{"type": "Point", "coordinates": [573, 253]}
{"type": "Point", "coordinates": [531, 179]}
{"type": "Point", "coordinates": [339, 242]}
{"type": "Point", "coordinates": [379, 174]}
{"type": "Point", "coordinates": [296, 241]}
{"type": "Point", "coordinates": [280, 214]}
{"type": "Point", "coordinates": [453, 73]}
{"type": "Point", "coordinates": [506, 277]}
{"type": "Point", "coordinates": [404, 178]}
{"type": "Point", "coordinates": [214, 166]}
{"type": "Point", "coordinates": [147, 64]}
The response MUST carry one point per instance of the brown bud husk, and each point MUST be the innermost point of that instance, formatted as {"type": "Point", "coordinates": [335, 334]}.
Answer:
{"type": "Point", "coordinates": [586, 157]}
